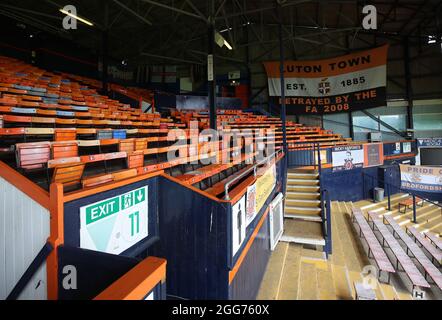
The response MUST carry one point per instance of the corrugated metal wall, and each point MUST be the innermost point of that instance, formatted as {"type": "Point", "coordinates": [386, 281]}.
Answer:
{"type": "Point", "coordinates": [24, 229]}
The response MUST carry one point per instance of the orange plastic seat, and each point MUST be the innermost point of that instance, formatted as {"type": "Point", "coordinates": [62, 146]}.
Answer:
{"type": "Point", "coordinates": [127, 145]}
{"type": "Point", "coordinates": [68, 174]}
{"type": "Point", "coordinates": [64, 150]}
{"type": "Point", "coordinates": [33, 155]}
{"type": "Point", "coordinates": [135, 160]}
{"type": "Point", "coordinates": [97, 180]}
{"type": "Point", "coordinates": [65, 135]}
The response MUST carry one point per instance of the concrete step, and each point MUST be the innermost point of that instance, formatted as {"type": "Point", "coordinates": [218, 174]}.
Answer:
{"type": "Point", "coordinates": [308, 171]}
{"type": "Point", "coordinates": [299, 188]}
{"type": "Point", "coordinates": [303, 203]}
{"type": "Point", "coordinates": [302, 182]}
{"type": "Point", "coordinates": [289, 285]}
{"type": "Point", "coordinates": [302, 195]}
{"type": "Point", "coordinates": [308, 282]}
{"type": "Point", "coordinates": [304, 176]}
{"type": "Point", "coordinates": [302, 210]}
{"type": "Point", "coordinates": [305, 217]}
{"type": "Point", "coordinates": [303, 232]}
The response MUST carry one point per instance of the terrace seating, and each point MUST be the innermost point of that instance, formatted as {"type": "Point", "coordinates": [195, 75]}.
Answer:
{"type": "Point", "coordinates": [402, 258]}
{"type": "Point", "coordinates": [69, 124]}
{"type": "Point", "coordinates": [429, 268]}
{"type": "Point", "coordinates": [436, 254]}
{"type": "Point", "coordinates": [436, 241]}
{"type": "Point", "coordinates": [375, 250]}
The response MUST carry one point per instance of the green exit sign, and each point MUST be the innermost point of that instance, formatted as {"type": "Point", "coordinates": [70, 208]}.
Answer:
{"type": "Point", "coordinates": [115, 224]}
{"type": "Point", "coordinates": [111, 206]}
{"type": "Point", "coordinates": [102, 210]}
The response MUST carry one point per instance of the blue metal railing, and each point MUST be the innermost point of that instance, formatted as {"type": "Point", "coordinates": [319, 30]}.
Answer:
{"type": "Point", "coordinates": [389, 187]}
{"type": "Point", "coordinates": [326, 221]}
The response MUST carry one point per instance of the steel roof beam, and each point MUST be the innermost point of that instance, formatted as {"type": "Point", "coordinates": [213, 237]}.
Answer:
{"type": "Point", "coordinates": [122, 5]}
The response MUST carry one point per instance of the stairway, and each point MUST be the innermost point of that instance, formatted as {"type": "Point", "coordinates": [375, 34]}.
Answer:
{"type": "Point", "coordinates": [303, 214]}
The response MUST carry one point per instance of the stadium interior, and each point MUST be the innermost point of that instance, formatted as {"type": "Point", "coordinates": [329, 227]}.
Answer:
{"type": "Point", "coordinates": [221, 150]}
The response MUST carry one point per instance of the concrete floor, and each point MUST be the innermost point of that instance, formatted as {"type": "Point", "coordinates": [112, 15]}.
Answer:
{"type": "Point", "coordinates": [297, 273]}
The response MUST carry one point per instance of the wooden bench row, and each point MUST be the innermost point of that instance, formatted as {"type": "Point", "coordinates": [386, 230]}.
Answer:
{"type": "Point", "coordinates": [377, 253]}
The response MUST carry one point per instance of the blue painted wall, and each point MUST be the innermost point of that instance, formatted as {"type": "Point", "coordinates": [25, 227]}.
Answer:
{"type": "Point", "coordinates": [350, 185]}
{"type": "Point", "coordinates": [193, 232]}
{"type": "Point", "coordinates": [245, 285]}
{"type": "Point", "coordinates": [305, 158]}
{"type": "Point", "coordinates": [196, 241]}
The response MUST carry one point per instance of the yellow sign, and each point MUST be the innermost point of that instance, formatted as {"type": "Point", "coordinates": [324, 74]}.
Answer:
{"type": "Point", "coordinates": [264, 187]}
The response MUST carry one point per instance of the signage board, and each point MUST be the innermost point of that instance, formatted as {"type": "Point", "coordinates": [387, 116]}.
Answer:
{"type": "Point", "coordinates": [343, 84]}
{"type": "Point", "coordinates": [115, 224]}
{"type": "Point", "coordinates": [264, 187]}
{"type": "Point", "coordinates": [238, 224]}
{"type": "Point", "coordinates": [419, 178]}
{"type": "Point", "coordinates": [347, 158]}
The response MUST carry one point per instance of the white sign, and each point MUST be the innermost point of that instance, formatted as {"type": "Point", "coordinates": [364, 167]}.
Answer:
{"type": "Point", "coordinates": [114, 225]}
{"type": "Point", "coordinates": [406, 147]}
{"type": "Point", "coordinates": [347, 158]}
{"type": "Point", "coordinates": [234, 75]}
{"type": "Point", "coordinates": [210, 75]}
{"type": "Point", "coordinates": [238, 224]}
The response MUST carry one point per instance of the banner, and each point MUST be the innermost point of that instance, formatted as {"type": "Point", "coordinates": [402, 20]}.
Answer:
{"type": "Point", "coordinates": [264, 187]}
{"type": "Point", "coordinates": [347, 158]}
{"type": "Point", "coordinates": [373, 154]}
{"type": "Point", "coordinates": [423, 179]}
{"type": "Point", "coordinates": [430, 142]}
{"type": "Point", "coordinates": [251, 204]}
{"type": "Point", "coordinates": [347, 83]}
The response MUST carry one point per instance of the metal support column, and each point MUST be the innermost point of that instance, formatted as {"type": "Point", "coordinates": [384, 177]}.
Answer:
{"type": "Point", "coordinates": [211, 68]}
{"type": "Point", "coordinates": [414, 209]}
{"type": "Point", "coordinates": [105, 49]}
{"type": "Point", "coordinates": [350, 125]}
{"type": "Point", "coordinates": [283, 106]}
{"type": "Point", "coordinates": [249, 70]}
{"type": "Point", "coordinates": [281, 70]}
{"type": "Point", "coordinates": [408, 86]}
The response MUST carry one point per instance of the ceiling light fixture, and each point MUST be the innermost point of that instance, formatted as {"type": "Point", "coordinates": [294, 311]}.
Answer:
{"type": "Point", "coordinates": [76, 17]}
{"type": "Point", "coordinates": [221, 41]}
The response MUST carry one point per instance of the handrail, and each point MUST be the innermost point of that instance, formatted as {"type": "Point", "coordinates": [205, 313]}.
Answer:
{"type": "Point", "coordinates": [326, 220]}
{"type": "Point", "coordinates": [245, 173]}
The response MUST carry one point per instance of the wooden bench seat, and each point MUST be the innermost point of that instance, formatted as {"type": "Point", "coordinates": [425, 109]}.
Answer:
{"type": "Point", "coordinates": [429, 268]}
{"type": "Point", "coordinates": [375, 250]}
{"type": "Point", "coordinates": [436, 254]}
{"type": "Point", "coordinates": [436, 241]}
{"type": "Point", "coordinates": [402, 258]}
